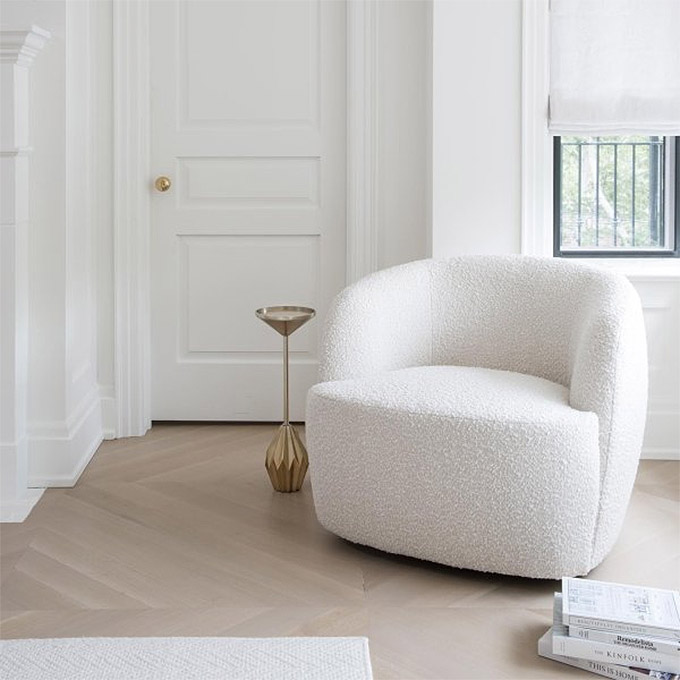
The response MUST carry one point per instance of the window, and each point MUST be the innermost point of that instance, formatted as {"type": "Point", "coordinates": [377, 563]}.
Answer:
{"type": "Point", "coordinates": [616, 196]}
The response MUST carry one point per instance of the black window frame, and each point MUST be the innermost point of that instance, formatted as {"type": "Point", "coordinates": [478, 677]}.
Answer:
{"type": "Point", "coordinates": [557, 192]}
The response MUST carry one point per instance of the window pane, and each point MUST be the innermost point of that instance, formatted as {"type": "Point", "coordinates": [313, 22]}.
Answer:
{"type": "Point", "coordinates": [612, 193]}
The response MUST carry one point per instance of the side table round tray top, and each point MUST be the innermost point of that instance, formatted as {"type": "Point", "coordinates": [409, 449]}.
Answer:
{"type": "Point", "coordinates": [286, 459]}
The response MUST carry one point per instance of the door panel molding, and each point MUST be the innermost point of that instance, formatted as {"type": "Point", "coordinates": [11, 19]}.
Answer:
{"type": "Point", "coordinates": [292, 260]}
{"type": "Point", "coordinates": [221, 43]}
{"type": "Point", "coordinates": [132, 186]}
{"type": "Point", "coordinates": [231, 181]}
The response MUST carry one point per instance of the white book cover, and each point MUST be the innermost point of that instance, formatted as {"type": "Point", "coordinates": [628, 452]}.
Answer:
{"type": "Point", "coordinates": [612, 637]}
{"type": "Point", "coordinates": [616, 606]}
{"type": "Point", "coordinates": [565, 645]}
{"type": "Point", "coordinates": [607, 670]}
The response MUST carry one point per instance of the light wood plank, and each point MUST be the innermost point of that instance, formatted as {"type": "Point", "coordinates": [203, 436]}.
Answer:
{"type": "Point", "coordinates": [180, 533]}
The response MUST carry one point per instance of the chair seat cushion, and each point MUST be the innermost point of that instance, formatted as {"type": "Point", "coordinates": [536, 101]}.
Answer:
{"type": "Point", "coordinates": [472, 467]}
{"type": "Point", "coordinates": [458, 392]}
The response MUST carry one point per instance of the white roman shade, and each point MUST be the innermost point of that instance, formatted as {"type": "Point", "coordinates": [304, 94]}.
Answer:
{"type": "Point", "coordinates": [615, 67]}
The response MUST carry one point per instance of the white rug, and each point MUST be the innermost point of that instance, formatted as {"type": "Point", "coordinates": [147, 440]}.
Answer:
{"type": "Point", "coordinates": [298, 658]}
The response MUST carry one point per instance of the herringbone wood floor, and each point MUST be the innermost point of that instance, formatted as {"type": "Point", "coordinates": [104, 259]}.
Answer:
{"type": "Point", "coordinates": [179, 533]}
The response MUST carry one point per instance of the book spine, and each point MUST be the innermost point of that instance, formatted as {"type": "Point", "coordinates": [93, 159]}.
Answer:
{"type": "Point", "coordinates": [612, 654]}
{"type": "Point", "coordinates": [630, 641]}
{"type": "Point", "coordinates": [605, 624]}
{"type": "Point", "coordinates": [605, 669]}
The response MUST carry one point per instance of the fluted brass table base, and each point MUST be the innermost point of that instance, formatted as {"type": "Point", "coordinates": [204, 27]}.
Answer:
{"type": "Point", "coordinates": [286, 460]}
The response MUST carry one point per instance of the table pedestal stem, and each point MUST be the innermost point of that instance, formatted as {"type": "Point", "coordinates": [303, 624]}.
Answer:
{"type": "Point", "coordinates": [285, 380]}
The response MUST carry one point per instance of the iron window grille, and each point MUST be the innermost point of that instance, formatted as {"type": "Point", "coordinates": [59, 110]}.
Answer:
{"type": "Point", "coordinates": [616, 196]}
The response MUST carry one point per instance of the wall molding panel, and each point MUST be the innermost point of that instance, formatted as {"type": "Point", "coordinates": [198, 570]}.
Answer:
{"type": "Point", "coordinates": [64, 418]}
{"type": "Point", "coordinates": [18, 48]}
{"type": "Point", "coordinates": [660, 296]}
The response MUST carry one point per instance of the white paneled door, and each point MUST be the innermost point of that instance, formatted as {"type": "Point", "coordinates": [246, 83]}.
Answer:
{"type": "Point", "coordinates": [248, 123]}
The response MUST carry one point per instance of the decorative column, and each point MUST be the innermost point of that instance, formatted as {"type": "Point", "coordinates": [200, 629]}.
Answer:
{"type": "Point", "coordinates": [18, 48]}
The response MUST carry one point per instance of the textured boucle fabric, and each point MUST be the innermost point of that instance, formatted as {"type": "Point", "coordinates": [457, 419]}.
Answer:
{"type": "Point", "coordinates": [483, 412]}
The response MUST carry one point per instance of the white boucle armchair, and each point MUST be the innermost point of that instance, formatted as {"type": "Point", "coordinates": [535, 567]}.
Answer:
{"type": "Point", "coordinates": [482, 412]}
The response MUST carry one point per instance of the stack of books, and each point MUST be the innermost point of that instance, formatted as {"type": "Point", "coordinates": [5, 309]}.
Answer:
{"type": "Point", "coordinates": [619, 631]}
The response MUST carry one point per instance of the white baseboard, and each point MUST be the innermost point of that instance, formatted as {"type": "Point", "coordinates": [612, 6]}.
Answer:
{"type": "Point", "coordinates": [662, 432]}
{"type": "Point", "coordinates": [59, 452]}
{"type": "Point", "coordinates": [19, 509]}
{"type": "Point", "coordinates": [660, 454]}
{"type": "Point", "coordinates": [16, 501]}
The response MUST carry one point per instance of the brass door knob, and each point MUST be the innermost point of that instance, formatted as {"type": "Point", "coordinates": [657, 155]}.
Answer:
{"type": "Point", "coordinates": [162, 183]}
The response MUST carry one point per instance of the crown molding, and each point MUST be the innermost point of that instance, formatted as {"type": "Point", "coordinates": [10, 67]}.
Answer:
{"type": "Point", "coordinates": [22, 46]}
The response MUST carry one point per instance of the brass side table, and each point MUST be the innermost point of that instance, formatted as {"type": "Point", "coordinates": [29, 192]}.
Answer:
{"type": "Point", "coordinates": [286, 460]}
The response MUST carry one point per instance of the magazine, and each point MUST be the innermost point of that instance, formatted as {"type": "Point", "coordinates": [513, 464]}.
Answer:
{"type": "Point", "coordinates": [605, 669]}
{"type": "Point", "coordinates": [613, 637]}
{"type": "Point", "coordinates": [566, 645]}
{"type": "Point", "coordinates": [629, 609]}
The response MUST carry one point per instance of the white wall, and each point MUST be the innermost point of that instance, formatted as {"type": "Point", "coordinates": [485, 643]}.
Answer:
{"type": "Point", "coordinates": [476, 133]}
{"type": "Point", "coordinates": [403, 122]}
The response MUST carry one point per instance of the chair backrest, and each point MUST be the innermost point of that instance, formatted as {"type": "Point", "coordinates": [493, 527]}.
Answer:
{"type": "Point", "coordinates": [512, 313]}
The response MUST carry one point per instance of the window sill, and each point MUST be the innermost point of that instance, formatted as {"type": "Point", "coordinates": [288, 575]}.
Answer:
{"type": "Point", "coordinates": [641, 268]}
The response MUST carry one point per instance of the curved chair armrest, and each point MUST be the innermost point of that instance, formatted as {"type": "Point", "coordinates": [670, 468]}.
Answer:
{"type": "Point", "coordinates": [382, 322]}
{"type": "Point", "coordinates": [609, 377]}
